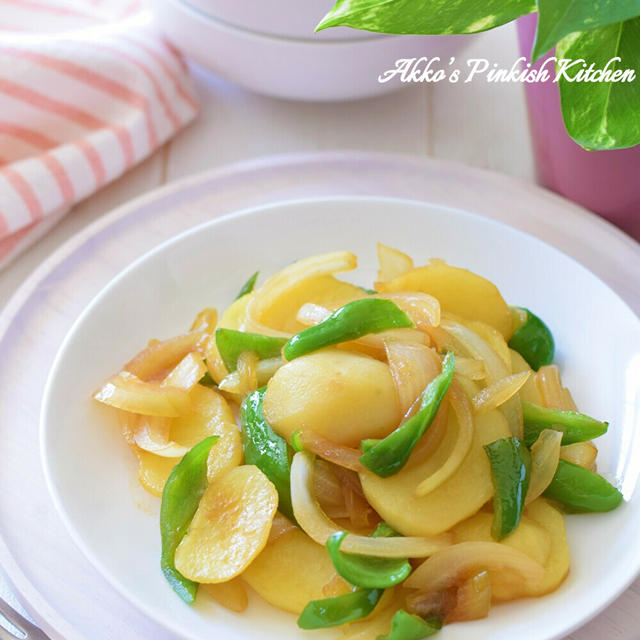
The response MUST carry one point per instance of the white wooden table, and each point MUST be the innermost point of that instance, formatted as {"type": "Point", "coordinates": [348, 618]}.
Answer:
{"type": "Point", "coordinates": [476, 123]}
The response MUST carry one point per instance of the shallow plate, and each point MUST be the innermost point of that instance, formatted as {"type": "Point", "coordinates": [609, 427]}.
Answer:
{"type": "Point", "coordinates": [92, 475]}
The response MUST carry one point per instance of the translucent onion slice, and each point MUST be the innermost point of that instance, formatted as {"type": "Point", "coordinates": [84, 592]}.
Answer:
{"type": "Point", "coordinates": [413, 367]}
{"type": "Point", "coordinates": [187, 373]}
{"type": "Point", "coordinates": [162, 355]}
{"type": "Point", "coordinates": [462, 409]}
{"type": "Point", "coordinates": [473, 599]}
{"type": "Point", "coordinates": [326, 486]}
{"type": "Point", "coordinates": [206, 320]}
{"type": "Point", "coordinates": [215, 365]}
{"type": "Point", "coordinates": [337, 586]}
{"type": "Point", "coordinates": [319, 527]}
{"type": "Point", "coordinates": [343, 456]}
{"type": "Point", "coordinates": [545, 453]}
{"type": "Point", "coordinates": [581, 453]}
{"type": "Point", "coordinates": [247, 369]}
{"type": "Point", "coordinates": [494, 339]}
{"type": "Point", "coordinates": [499, 392]}
{"type": "Point", "coordinates": [431, 440]}
{"type": "Point", "coordinates": [529, 391]}
{"type": "Point", "coordinates": [126, 391]}
{"type": "Point", "coordinates": [393, 263]}
{"type": "Point", "coordinates": [423, 309]}
{"type": "Point", "coordinates": [470, 368]}
{"type": "Point", "coordinates": [265, 369]}
{"type": "Point", "coordinates": [496, 369]}
{"type": "Point", "coordinates": [552, 393]}
{"type": "Point", "coordinates": [152, 434]}
{"type": "Point", "coordinates": [279, 526]}
{"type": "Point", "coordinates": [280, 283]}
{"type": "Point", "coordinates": [447, 566]}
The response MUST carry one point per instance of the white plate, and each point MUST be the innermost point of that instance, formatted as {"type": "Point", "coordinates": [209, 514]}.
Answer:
{"type": "Point", "coordinates": [161, 292]}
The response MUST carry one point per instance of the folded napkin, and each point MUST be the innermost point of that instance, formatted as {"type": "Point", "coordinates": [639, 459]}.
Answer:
{"type": "Point", "coordinates": [87, 90]}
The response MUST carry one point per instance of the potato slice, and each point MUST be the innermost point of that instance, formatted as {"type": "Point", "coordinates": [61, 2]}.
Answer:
{"type": "Point", "coordinates": [277, 576]}
{"type": "Point", "coordinates": [341, 396]}
{"type": "Point", "coordinates": [210, 416]}
{"type": "Point", "coordinates": [230, 527]}
{"type": "Point", "coordinates": [454, 500]}
{"type": "Point", "coordinates": [459, 291]}
{"type": "Point", "coordinates": [153, 470]}
{"type": "Point", "coordinates": [232, 594]}
{"type": "Point", "coordinates": [326, 291]}
{"type": "Point", "coordinates": [557, 565]}
{"type": "Point", "coordinates": [234, 315]}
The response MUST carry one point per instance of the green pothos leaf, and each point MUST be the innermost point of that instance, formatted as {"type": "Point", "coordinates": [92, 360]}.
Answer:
{"type": "Point", "coordinates": [605, 114]}
{"type": "Point", "coordinates": [433, 17]}
{"type": "Point", "coordinates": [559, 18]}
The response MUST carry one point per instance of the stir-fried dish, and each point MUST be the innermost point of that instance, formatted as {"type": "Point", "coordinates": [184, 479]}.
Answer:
{"type": "Point", "coordinates": [383, 461]}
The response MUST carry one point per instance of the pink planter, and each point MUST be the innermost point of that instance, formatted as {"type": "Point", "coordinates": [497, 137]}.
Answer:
{"type": "Point", "coordinates": [606, 182]}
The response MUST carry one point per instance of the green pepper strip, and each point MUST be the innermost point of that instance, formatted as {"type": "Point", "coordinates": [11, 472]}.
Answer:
{"type": "Point", "coordinates": [582, 490]}
{"type": "Point", "coordinates": [387, 456]}
{"type": "Point", "coordinates": [575, 427]}
{"type": "Point", "coordinates": [533, 341]}
{"type": "Point", "coordinates": [232, 343]}
{"type": "Point", "coordinates": [180, 498]}
{"type": "Point", "coordinates": [331, 612]}
{"type": "Point", "coordinates": [510, 471]}
{"type": "Point", "coordinates": [405, 626]}
{"type": "Point", "coordinates": [356, 319]}
{"type": "Point", "coordinates": [334, 611]}
{"type": "Point", "coordinates": [266, 449]}
{"type": "Point", "coordinates": [248, 286]}
{"type": "Point", "coordinates": [366, 571]}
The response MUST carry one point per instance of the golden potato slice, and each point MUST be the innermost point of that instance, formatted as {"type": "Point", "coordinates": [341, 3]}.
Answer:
{"type": "Point", "coordinates": [326, 291]}
{"type": "Point", "coordinates": [459, 291]}
{"type": "Point", "coordinates": [153, 470]}
{"type": "Point", "coordinates": [459, 497]}
{"type": "Point", "coordinates": [341, 396]}
{"type": "Point", "coordinates": [290, 572]}
{"type": "Point", "coordinates": [557, 565]}
{"type": "Point", "coordinates": [231, 595]}
{"type": "Point", "coordinates": [230, 527]}
{"type": "Point", "coordinates": [233, 317]}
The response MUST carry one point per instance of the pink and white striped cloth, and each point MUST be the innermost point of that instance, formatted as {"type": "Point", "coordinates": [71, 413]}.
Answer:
{"type": "Point", "coordinates": [87, 90]}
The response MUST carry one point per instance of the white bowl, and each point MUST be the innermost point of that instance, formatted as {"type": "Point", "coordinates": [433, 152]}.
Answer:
{"type": "Point", "coordinates": [91, 472]}
{"type": "Point", "coordinates": [285, 18]}
{"type": "Point", "coordinates": [317, 70]}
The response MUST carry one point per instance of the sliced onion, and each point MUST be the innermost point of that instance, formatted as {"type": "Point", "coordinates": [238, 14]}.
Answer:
{"type": "Point", "coordinates": [473, 599]}
{"type": "Point", "coordinates": [326, 486]}
{"type": "Point", "coordinates": [247, 372]}
{"type": "Point", "coordinates": [477, 348]}
{"type": "Point", "coordinates": [152, 435]}
{"type": "Point", "coordinates": [552, 393]}
{"type": "Point", "coordinates": [187, 373]}
{"type": "Point", "coordinates": [231, 594]}
{"type": "Point", "coordinates": [494, 339]}
{"type": "Point", "coordinates": [215, 364]}
{"type": "Point", "coordinates": [162, 355]}
{"type": "Point", "coordinates": [343, 456]}
{"type": "Point", "coordinates": [279, 526]}
{"type": "Point", "coordinates": [431, 441]}
{"type": "Point", "coordinates": [447, 566]}
{"type": "Point", "coordinates": [206, 320]}
{"type": "Point", "coordinates": [499, 392]}
{"type": "Point", "coordinates": [413, 367]}
{"type": "Point", "coordinates": [280, 283]}
{"type": "Point", "coordinates": [393, 263]}
{"type": "Point", "coordinates": [126, 391]}
{"type": "Point", "coordinates": [265, 369]}
{"type": "Point", "coordinates": [545, 453]}
{"type": "Point", "coordinates": [337, 586]}
{"type": "Point", "coordinates": [423, 309]}
{"type": "Point", "coordinates": [581, 453]}
{"type": "Point", "coordinates": [529, 391]}
{"type": "Point", "coordinates": [319, 527]}
{"type": "Point", "coordinates": [464, 437]}
{"type": "Point", "coordinates": [311, 314]}
{"type": "Point", "coordinates": [470, 368]}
